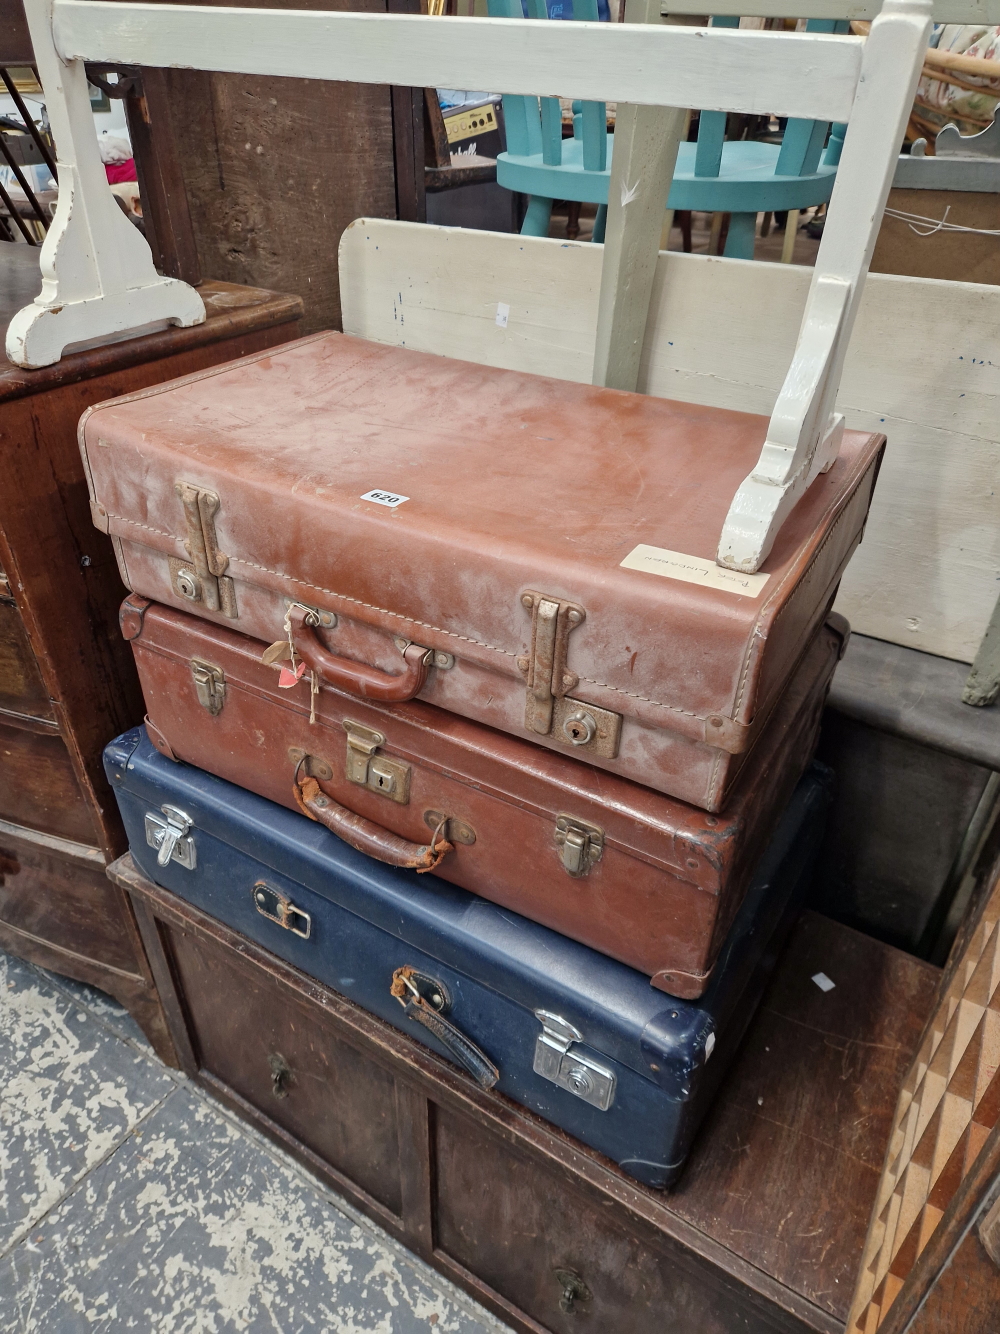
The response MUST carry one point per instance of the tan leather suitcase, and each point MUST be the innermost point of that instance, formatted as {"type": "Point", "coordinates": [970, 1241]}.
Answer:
{"type": "Point", "coordinates": [630, 872]}
{"type": "Point", "coordinates": [529, 553]}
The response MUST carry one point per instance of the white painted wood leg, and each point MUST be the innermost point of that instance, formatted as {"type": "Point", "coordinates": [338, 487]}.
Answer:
{"type": "Point", "coordinates": [642, 167]}
{"type": "Point", "coordinates": [804, 433]}
{"type": "Point", "coordinates": [98, 279]}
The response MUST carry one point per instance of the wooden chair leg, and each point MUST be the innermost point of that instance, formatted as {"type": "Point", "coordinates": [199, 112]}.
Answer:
{"type": "Point", "coordinates": [791, 228]}
{"type": "Point", "coordinates": [740, 236]}
{"type": "Point", "coordinates": [536, 220]}
{"type": "Point", "coordinates": [600, 223]}
{"type": "Point", "coordinates": [683, 216]}
{"type": "Point", "coordinates": [715, 233]}
{"type": "Point", "coordinates": [572, 219]}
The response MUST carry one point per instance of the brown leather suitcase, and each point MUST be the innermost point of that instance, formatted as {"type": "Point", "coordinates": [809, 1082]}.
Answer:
{"type": "Point", "coordinates": [630, 872]}
{"type": "Point", "coordinates": [529, 553]}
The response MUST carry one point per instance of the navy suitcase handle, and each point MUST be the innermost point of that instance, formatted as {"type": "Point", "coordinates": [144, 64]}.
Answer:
{"type": "Point", "coordinates": [357, 677]}
{"type": "Point", "coordinates": [409, 986]}
{"type": "Point", "coordinates": [365, 835]}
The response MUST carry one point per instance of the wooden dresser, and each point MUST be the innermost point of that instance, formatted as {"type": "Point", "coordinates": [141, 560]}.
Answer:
{"type": "Point", "coordinates": [67, 682]}
{"type": "Point", "coordinates": [762, 1235]}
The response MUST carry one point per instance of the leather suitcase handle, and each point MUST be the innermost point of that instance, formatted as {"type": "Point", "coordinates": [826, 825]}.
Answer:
{"type": "Point", "coordinates": [357, 677]}
{"type": "Point", "coordinates": [366, 835]}
{"type": "Point", "coordinates": [463, 1049]}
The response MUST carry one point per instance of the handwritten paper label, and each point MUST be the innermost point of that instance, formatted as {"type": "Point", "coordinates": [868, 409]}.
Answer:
{"type": "Point", "coordinates": [503, 314]}
{"type": "Point", "coordinates": [694, 570]}
{"type": "Point", "coordinates": [387, 498]}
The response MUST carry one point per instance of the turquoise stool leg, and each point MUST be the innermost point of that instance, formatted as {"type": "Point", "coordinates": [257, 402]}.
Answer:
{"type": "Point", "coordinates": [600, 222]}
{"type": "Point", "coordinates": [739, 242]}
{"type": "Point", "coordinates": [536, 220]}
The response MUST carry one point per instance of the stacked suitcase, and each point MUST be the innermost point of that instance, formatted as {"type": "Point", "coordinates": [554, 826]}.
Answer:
{"type": "Point", "coordinates": [450, 707]}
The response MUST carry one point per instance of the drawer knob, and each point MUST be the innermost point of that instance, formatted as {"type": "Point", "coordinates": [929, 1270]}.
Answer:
{"type": "Point", "coordinates": [573, 1290]}
{"type": "Point", "coordinates": [281, 1075]}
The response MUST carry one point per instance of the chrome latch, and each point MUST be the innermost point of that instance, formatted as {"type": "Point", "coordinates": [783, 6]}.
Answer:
{"type": "Point", "coordinates": [202, 577]}
{"type": "Point", "coordinates": [582, 843]}
{"type": "Point", "coordinates": [390, 778]}
{"type": "Point", "coordinates": [275, 906]}
{"type": "Point", "coordinates": [168, 834]}
{"type": "Point", "coordinates": [210, 683]}
{"type": "Point", "coordinates": [548, 678]}
{"type": "Point", "coordinates": [572, 1071]}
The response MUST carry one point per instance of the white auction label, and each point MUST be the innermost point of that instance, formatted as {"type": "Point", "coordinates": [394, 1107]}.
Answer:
{"type": "Point", "coordinates": [387, 498]}
{"type": "Point", "coordinates": [694, 570]}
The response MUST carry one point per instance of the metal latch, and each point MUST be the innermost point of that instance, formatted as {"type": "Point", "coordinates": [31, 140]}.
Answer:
{"type": "Point", "coordinates": [571, 1071]}
{"type": "Point", "coordinates": [278, 908]}
{"type": "Point", "coordinates": [210, 683]}
{"type": "Point", "coordinates": [202, 578]}
{"type": "Point", "coordinates": [548, 679]}
{"type": "Point", "coordinates": [582, 843]}
{"type": "Point", "coordinates": [168, 834]}
{"type": "Point", "coordinates": [549, 710]}
{"type": "Point", "coordinates": [378, 773]}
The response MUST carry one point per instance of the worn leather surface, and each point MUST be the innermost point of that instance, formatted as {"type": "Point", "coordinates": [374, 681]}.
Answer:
{"type": "Point", "coordinates": [670, 879]}
{"type": "Point", "coordinates": [515, 482]}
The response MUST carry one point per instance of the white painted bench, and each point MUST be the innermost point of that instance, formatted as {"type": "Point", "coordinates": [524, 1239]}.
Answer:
{"type": "Point", "coordinates": [923, 366]}
{"type": "Point", "coordinates": [98, 282]}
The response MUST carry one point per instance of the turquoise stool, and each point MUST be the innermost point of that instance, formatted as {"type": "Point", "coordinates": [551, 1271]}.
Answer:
{"type": "Point", "coordinates": [739, 177]}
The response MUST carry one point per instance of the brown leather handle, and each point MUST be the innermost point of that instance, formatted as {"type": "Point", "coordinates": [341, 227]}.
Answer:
{"type": "Point", "coordinates": [358, 677]}
{"type": "Point", "coordinates": [364, 834]}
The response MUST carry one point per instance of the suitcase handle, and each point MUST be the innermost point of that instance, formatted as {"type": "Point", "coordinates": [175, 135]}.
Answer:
{"type": "Point", "coordinates": [357, 677]}
{"type": "Point", "coordinates": [406, 987]}
{"type": "Point", "coordinates": [366, 835]}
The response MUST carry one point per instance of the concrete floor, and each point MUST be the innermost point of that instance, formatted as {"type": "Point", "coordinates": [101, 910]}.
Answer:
{"type": "Point", "coordinates": [130, 1200]}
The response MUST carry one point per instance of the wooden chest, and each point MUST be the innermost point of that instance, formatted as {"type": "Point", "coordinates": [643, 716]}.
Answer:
{"type": "Point", "coordinates": [763, 1233]}
{"type": "Point", "coordinates": [67, 681]}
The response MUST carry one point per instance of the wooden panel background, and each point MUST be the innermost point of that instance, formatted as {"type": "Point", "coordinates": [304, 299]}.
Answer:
{"type": "Point", "coordinates": [924, 367]}
{"type": "Point", "coordinates": [275, 170]}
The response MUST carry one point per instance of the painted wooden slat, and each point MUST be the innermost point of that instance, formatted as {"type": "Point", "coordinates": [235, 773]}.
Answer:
{"type": "Point", "coordinates": [924, 367]}
{"type": "Point", "coordinates": [799, 74]}
{"type": "Point", "coordinates": [945, 11]}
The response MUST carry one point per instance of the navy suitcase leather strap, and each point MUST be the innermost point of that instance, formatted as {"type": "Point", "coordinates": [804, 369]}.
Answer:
{"type": "Point", "coordinates": [409, 986]}
{"type": "Point", "coordinates": [366, 835]}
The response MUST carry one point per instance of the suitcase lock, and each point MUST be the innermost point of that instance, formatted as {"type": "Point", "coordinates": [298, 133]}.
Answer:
{"type": "Point", "coordinates": [202, 578]}
{"type": "Point", "coordinates": [549, 709]}
{"type": "Point", "coordinates": [168, 834]}
{"type": "Point", "coordinates": [582, 843]}
{"type": "Point", "coordinates": [571, 1071]}
{"type": "Point", "coordinates": [210, 684]}
{"type": "Point", "coordinates": [389, 778]}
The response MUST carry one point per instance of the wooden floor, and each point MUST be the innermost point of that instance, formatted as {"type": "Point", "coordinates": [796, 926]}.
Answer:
{"type": "Point", "coordinates": [129, 1199]}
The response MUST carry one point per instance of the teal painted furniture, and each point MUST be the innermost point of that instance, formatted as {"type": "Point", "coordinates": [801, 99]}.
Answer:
{"type": "Point", "coordinates": [739, 177]}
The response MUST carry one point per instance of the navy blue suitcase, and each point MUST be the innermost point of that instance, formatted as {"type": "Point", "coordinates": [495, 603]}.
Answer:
{"type": "Point", "coordinates": [580, 1039]}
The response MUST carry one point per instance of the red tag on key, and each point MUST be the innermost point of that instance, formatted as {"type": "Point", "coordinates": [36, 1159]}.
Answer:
{"type": "Point", "coordinates": [288, 678]}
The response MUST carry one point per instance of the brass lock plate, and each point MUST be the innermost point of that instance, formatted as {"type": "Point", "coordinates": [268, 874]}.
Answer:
{"type": "Point", "coordinates": [585, 727]}
{"type": "Point", "coordinates": [378, 773]}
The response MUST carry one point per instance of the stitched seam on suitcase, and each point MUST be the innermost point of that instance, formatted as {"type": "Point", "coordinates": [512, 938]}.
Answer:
{"type": "Point", "coordinates": [802, 578]}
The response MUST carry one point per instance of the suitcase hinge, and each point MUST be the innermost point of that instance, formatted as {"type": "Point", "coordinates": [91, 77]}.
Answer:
{"type": "Point", "coordinates": [168, 834]}
{"type": "Point", "coordinates": [572, 1071]}
{"type": "Point", "coordinates": [390, 778]}
{"type": "Point", "coordinates": [549, 710]}
{"type": "Point", "coordinates": [202, 578]}
{"type": "Point", "coordinates": [210, 683]}
{"type": "Point", "coordinates": [582, 843]}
